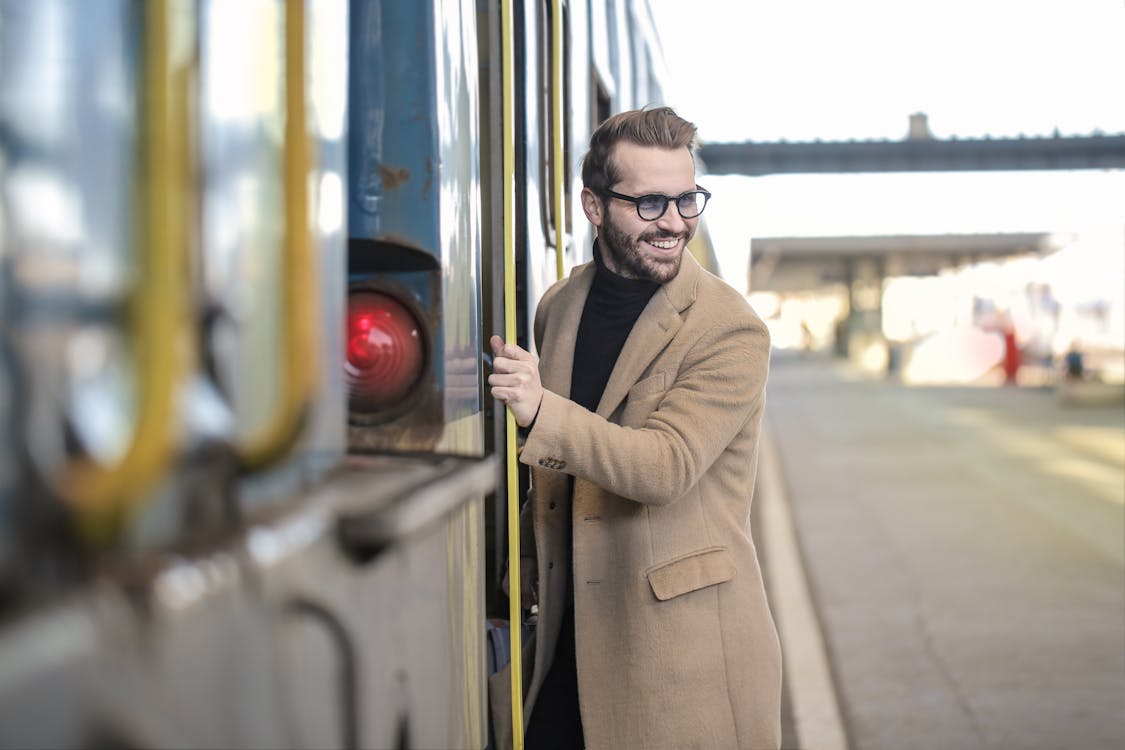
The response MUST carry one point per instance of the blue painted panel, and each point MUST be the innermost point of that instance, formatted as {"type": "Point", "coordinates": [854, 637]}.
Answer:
{"type": "Point", "coordinates": [392, 154]}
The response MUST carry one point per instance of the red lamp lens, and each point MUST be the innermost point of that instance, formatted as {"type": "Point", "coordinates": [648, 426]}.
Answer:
{"type": "Point", "coordinates": [385, 351]}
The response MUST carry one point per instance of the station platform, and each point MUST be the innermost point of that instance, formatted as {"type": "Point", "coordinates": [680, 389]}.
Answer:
{"type": "Point", "coordinates": [946, 564]}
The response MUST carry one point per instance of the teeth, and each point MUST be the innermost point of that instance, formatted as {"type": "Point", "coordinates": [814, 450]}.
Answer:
{"type": "Point", "coordinates": [664, 244]}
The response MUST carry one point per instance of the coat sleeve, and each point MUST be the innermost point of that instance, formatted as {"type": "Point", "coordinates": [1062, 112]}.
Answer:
{"type": "Point", "coordinates": [527, 528]}
{"type": "Point", "coordinates": [718, 390]}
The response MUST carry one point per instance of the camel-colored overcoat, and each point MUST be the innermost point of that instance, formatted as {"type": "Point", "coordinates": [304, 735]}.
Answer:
{"type": "Point", "coordinates": [676, 647]}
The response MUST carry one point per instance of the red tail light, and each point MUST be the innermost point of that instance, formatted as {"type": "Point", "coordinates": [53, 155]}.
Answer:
{"type": "Point", "coordinates": [385, 351]}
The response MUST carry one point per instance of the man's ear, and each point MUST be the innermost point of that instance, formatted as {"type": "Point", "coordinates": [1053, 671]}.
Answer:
{"type": "Point", "coordinates": [592, 207]}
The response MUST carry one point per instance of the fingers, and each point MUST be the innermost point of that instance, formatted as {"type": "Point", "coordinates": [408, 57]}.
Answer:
{"type": "Point", "coordinates": [511, 365]}
{"type": "Point", "coordinates": [509, 351]}
{"type": "Point", "coordinates": [515, 380]}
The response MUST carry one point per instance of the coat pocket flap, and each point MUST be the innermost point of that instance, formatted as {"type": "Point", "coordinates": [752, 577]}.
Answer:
{"type": "Point", "coordinates": [694, 571]}
{"type": "Point", "coordinates": [650, 385]}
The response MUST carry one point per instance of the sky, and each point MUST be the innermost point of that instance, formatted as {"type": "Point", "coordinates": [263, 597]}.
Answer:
{"type": "Point", "coordinates": [807, 69]}
{"type": "Point", "coordinates": [798, 70]}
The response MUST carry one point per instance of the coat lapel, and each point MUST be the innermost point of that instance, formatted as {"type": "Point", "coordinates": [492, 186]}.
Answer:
{"type": "Point", "coordinates": [556, 360]}
{"type": "Point", "coordinates": [653, 330]}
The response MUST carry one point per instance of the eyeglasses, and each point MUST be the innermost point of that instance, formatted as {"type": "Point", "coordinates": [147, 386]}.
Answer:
{"type": "Point", "coordinates": [652, 206]}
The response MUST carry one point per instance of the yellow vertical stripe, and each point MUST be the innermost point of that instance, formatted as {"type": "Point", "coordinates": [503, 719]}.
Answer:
{"type": "Point", "coordinates": [102, 495]}
{"type": "Point", "coordinates": [508, 186]}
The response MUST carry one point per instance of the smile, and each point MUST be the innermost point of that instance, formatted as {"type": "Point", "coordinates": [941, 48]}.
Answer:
{"type": "Point", "coordinates": [664, 244]}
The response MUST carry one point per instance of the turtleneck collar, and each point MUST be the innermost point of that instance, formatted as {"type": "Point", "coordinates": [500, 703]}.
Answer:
{"type": "Point", "coordinates": [615, 285]}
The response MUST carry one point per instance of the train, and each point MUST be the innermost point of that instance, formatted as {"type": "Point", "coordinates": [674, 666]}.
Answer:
{"type": "Point", "coordinates": [252, 487]}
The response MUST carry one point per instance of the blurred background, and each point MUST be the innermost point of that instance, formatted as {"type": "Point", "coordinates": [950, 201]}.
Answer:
{"type": "Point", "coordinates": [916, 198]}
{"type": "Point", "coordinates": [879, 71]}
{"type": "Point", "coordinates": [251, 487]}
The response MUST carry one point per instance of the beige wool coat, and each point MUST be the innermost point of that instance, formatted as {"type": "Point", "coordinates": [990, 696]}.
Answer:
{"type": "Point", "coordinates": [676, 647]}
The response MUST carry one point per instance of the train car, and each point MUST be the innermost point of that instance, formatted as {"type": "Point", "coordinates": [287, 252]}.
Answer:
{"type": "Point", "coordinates": [250, 493]}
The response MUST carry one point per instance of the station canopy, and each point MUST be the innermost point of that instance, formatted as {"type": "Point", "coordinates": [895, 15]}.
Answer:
{"type": "Point", "coordinates": [783, 264]}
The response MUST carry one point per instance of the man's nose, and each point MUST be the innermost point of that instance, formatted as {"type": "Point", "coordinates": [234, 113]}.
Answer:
{"type": "Point", "coordinates": [671, 221]}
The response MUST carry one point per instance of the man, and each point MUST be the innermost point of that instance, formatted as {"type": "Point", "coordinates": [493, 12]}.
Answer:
{"type": "Point", "coordinates": [644, 414]}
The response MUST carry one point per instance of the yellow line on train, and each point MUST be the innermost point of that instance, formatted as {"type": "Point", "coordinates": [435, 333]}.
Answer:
{"type": "Point", "coordinates": [509, 159]}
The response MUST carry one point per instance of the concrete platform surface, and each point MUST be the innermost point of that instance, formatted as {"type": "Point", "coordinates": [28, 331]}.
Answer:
{"type": "Point", "coordinates": [964, 549]}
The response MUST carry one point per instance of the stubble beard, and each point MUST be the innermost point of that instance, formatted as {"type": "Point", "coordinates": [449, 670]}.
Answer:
{"type": "Point", "coordinates": [631, 262]}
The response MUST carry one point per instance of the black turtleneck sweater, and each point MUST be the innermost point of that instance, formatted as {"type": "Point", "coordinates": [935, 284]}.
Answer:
{"type": "Point", "coordinates": [612, 308]}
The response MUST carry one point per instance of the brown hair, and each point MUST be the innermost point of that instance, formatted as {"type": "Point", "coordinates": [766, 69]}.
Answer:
{"type": "Point", "coordinates": [660, 127]}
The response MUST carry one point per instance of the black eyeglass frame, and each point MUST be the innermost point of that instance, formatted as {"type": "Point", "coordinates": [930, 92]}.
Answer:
{"type": "Point", "coordinates": [636, 201]}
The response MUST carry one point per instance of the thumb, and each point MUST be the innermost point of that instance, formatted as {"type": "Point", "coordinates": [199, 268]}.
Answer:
{"type": "Point", "coordinates": [497, 344]}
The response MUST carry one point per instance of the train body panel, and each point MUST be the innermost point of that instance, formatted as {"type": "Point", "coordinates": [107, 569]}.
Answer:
{"type": "Point", "coordinates": [414, 225]}
{"type": "Point", "coordinates": [251, 252]}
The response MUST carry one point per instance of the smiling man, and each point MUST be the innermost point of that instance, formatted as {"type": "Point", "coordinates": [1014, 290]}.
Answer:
{"type": "Point", "coordinates": [642, 421]}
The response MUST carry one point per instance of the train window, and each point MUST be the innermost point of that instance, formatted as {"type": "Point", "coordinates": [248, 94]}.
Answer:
{"type": "Point", "coordinates": [601, 106]}
{"type": "Point", "coordinates": [545, 113]}
{"type": "Point", "coordinates": [653, 93]}
{"type": "Point", "coordinates": [554, 163]}
{"type": "Point", "coordinates": [568, 106]}
{"type": "Point", "coordinates": [602, 38]}
{"type": "Point", "coordinates": [612, 25]}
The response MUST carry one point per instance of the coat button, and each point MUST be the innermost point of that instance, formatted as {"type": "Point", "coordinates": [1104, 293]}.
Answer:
{"type": "Point", "coordinates": [552, 505]}
{"type": "Point", "coordinates": [550, 566]}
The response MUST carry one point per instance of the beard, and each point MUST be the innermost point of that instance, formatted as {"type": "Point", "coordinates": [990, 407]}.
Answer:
{"type": "Point", "coordinates": [632, 262]}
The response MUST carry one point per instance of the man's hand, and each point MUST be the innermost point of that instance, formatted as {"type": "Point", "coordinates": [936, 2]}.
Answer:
{"type": "Point", "coordinates": [515, 380]}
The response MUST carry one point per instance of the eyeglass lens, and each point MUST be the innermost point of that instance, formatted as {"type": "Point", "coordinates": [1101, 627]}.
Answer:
{"type": "Point", "coordinates": [690, 205]}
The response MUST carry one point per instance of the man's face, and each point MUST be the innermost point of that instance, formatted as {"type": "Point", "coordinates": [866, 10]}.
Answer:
{"type": "Point", "coordinates": [633, 247]}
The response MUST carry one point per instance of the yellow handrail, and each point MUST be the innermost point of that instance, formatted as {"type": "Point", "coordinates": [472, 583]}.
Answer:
{"type": "Point", "coordinates": [157, 311]}
{"type": "Point", "coordinates": [557, 134]}
{"type": "Point", "coordinates": [298, 367]}
{"type": "Point", "coordinates": [509, 160]}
